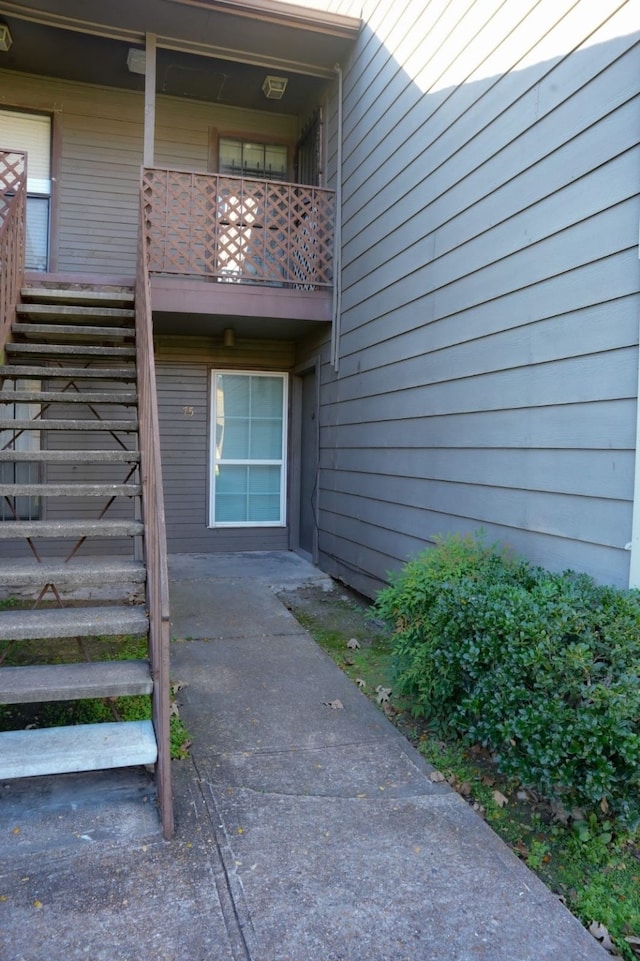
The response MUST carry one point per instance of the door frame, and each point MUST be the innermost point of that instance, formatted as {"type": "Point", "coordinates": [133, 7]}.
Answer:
{"type": "Point", "coordinates": [295, 457]}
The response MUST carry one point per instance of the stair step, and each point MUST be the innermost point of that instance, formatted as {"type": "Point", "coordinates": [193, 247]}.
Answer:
{"type": "Point", "coordinates": [70, 456]}
{"type": "Point", "coordinates": [81, 747]}
{"type": "Point", "coordinates": [69, 350]}
{"type": "Point", "coordinates": [48, 423]}
{"type": "Point", "coordinates": [76, 295]}
{"type": "Point", "coordinates": [67, 530]}
{"type": "Point", "coordinates": [74, 312]}
{"type": "Point", "coordinates": [71, 682]}
{"type": "Point", "coordinates": [61, 622]}
{"type": "Point", "coordinates": [20, 372]}
{"type": "Point", "coordinates": [126, 398]}
{"type": "Point", "coordinates": [71, 330]}
{"type": "Point", "coordinates": [70, 490]}
{"type": "Point", "coordinates": [85, 572]}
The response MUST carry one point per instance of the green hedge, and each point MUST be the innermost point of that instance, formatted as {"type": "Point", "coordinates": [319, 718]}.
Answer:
{"type": "Point", "coordinates": [542, 668]}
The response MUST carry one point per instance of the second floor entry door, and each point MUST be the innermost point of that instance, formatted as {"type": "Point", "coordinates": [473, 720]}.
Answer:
{"type": "Point", "coordinates": [32, 132]}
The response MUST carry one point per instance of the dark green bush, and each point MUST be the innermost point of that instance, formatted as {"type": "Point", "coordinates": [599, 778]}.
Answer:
{"type": "Point", "coordinates": [542, 668]}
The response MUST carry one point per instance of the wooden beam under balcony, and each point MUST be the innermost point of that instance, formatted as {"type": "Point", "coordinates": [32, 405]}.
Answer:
{"type": "Point", "coordinates": [184, 295]}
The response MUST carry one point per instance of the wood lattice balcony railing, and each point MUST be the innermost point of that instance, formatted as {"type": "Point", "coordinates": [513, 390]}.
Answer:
{"type": "Point", "coordinates": [236, 230]}
{"type": "Point", "coordinates": [13, 192]}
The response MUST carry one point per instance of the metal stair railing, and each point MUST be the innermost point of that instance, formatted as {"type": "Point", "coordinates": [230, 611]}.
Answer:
{"type": "Point", "coordinates": [154, 527]}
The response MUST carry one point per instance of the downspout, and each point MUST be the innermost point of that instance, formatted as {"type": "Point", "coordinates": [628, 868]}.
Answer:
{"type": "Point", "coordinates": [337, 239]}
{"type": "Point", "coordinates": [634, 544]}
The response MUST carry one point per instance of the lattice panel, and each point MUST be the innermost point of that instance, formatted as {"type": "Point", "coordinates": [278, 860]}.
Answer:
{"type": "Point", "coordinates": [13, 172]}
{"type": "Point", "coordinates": [237, 230]}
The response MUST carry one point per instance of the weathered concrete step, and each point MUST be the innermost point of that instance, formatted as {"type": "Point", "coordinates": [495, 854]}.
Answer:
{"type": "Point", "coordinates": [48, 423]}
{"type": "Point", "coordinates": [116, 297]}
{"type": "Point", "coordinates": [70, 456]}
{"type": "Point", "coordinates": [69, 350]}
{"type": "Point", "coordinates": [74, 312]}
{"type": "Point", "coordinates": [71, 682]}
{"type": "Point", "coordinates": [15, 530]}
{"type": "Point", "coordinates": [126, 398]}
{"type": "Point", "coordinates": [70, 490]}
{"type": "Point", "coordinates": [71, 330]}
{"type": "Point", "coordinates": [60, 622]}
{"type": "Point", "coordinates": [88, 572]}
{"type": "Point", "coordinates": [82, 747]}
{"type": "Point", "coordinates": [21, 371]}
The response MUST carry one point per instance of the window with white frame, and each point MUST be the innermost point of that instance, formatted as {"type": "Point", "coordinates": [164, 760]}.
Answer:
{"type": "Point", "coordinates": [248, 449]}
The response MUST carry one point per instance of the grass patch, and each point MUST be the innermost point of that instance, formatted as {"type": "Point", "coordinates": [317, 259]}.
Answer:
{"type": "Point", "coordinates": [14, 717]}
{"type": "Point", "coordinates": [593, 864]}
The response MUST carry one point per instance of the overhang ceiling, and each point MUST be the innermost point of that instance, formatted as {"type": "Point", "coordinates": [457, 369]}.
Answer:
{"type": "Point", "coordinates": [211, 50]}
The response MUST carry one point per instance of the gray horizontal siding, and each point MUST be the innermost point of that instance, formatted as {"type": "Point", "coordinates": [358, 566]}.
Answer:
{"type": "Point", "coordinates": [489, 344]}
{"type": "Point", "coordinates": [183, 379]}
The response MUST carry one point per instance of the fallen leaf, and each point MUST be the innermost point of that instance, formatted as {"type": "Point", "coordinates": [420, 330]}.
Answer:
{"type": "Point", "coordinates": [353, 644]}
{"type": "Point", "coordinates": [604, 805]}
{"type": "Point", "coordinates": [174, 711]}
{"type": "Point", "coordinates": [16, 831]}
{"type": "Point", "coordinates": [499, 798]}
{"type": "Point", "coordinates": [336, 705]}
{"type": "Point", "coordinates": [601, 934]}
{"type": "Point", "coordinates": [465, 788]}
{"type": "Point", "coordinates": [361, 684]}
{"type": "Point", "coordinates": [383, 694]}
{"type": "Point", "coordinates": [436, 777]}
{"type": "Point", "coordinates": [37, 905]}
{"type": "Point", "coordinates": [177, 686]}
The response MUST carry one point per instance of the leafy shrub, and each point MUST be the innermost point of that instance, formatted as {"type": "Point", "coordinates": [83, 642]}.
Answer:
{"type": "Point", "coordinates": [542, 668]}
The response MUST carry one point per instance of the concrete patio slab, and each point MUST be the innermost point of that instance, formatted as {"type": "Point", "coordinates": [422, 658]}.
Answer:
{"type": "Point", "coordinates": [304, 832]}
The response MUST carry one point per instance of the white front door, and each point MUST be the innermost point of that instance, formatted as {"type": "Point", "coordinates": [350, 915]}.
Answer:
{"type": "Point", "coordinates": [32, 132]}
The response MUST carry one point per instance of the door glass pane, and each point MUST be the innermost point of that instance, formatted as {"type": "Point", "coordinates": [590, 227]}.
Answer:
{"type": "Point", "coordinates": [248, 474]}
{"type": "Point", "coordinates": [37, 233]}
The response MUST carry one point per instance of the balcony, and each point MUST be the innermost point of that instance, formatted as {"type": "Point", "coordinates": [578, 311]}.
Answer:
{"type": "Point", "coordinates": [271, 241]}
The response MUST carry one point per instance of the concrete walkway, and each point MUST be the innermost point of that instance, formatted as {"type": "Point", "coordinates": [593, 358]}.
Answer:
{"type": "Point", "coordinates": [304, 833]}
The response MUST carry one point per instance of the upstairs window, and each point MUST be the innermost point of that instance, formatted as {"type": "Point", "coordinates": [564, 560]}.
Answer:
{"type": "Point", "coordinates": [260, 161]}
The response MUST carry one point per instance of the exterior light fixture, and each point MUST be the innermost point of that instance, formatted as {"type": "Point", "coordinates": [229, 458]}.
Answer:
{"type": "Point", "coordinates": [229, 337]}
{"type": "Point", "coordinates": [137, 61]}
{"type": "Point", "coordinates": [5, 38]}
{"type": "Point", "coordinates": [274, 87]}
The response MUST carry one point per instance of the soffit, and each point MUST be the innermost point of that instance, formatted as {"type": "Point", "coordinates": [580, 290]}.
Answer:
{"type": "Point", "coordinates": [214, 50]}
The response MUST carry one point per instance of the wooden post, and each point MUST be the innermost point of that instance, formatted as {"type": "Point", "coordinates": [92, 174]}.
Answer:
{"type": "Point", "coordinates": [149, 100]}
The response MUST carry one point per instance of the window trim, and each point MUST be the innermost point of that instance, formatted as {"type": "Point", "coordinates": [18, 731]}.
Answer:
{"type": "Point", "coordinates": [216, 135]}
{"type": "Point", "coordinates": [213, 460]}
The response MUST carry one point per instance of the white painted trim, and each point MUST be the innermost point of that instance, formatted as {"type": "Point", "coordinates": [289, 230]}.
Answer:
{"type": "Point", "coordinates": [282, 463]}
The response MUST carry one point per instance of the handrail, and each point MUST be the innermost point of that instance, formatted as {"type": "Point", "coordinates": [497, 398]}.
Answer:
{"type": "Point", "coordinates": [154, 528]}
{"type": "Point", "coordinates": [238, 230]}
{"type": "Point", "coordinates": [13, 194]}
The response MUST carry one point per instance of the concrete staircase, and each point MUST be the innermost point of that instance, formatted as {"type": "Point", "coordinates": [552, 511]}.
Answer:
{"type": "Point", "coordinates": [68, 417]}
